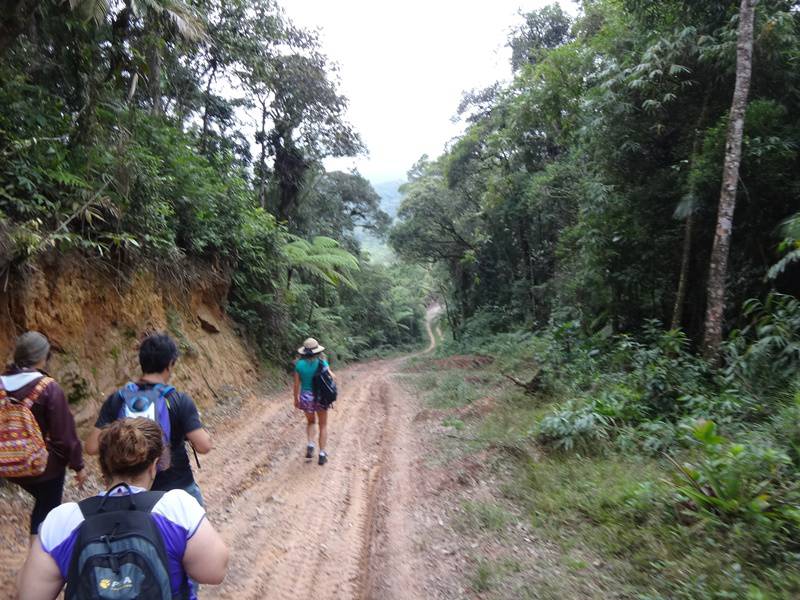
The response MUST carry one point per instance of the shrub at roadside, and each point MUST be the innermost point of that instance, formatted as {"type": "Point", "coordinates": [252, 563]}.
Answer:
{"type": "Point", "coordinates": [683, 476]}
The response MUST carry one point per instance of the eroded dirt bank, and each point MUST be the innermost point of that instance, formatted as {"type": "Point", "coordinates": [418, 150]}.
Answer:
{"type": "Point", "coordinates": [95, 321]}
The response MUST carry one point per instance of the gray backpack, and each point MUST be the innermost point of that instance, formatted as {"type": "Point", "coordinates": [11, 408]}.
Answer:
{"type": "Point", "coordinates": [119, 552]}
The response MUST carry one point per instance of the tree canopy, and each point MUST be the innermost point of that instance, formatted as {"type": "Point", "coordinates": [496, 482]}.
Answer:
{"type": "Point", "coordinates": [577, 186]}
{"type": "Point", "coordinates": [142, 131]}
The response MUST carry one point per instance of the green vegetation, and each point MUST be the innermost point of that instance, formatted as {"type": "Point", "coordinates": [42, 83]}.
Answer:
{"type": "Point", "coordinates": [572, 234]}
{"type": "Point", "coordinates": [570, 229]}
{"type": "Point", "coordinates": [125, 137]}
{"type": "Point", "coordinates": [674, 506]}
{"type": "Point", "coordinates": [484, 515]}
{"type": "Point", "coordinates": [681, 479]}
{"type": "Point", "coordinates": [587, 188]}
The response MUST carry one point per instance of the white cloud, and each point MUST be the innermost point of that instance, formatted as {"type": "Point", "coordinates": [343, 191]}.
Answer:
{"type": "Point", "coordinates": [404, 66]}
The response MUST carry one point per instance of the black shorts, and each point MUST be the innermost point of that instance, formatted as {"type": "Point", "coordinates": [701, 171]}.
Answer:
{"type": "Point", "coordinates": [47, 496]}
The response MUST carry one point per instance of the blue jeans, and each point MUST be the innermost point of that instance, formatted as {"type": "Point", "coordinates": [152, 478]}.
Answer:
{"type": "Point", "coordinates": [194, 491]}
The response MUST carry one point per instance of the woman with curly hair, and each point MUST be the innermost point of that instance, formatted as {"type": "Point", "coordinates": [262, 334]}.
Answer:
{"type": "Point", "coordinates": [169, 529]}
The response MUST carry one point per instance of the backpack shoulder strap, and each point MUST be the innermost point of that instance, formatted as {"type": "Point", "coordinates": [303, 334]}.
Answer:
{"type": "Point", "coordinates": [143, 502]}
{"type": "Point", "coordinates": [146, 501]}
{"type": "Point", "coordinates": [40, 387]}
{"type": "Point", "coordinates": [165, 391]}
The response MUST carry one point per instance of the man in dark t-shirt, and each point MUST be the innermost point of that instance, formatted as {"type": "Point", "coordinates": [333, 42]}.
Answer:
{"type": "Point", "coordinates": [157, 356]}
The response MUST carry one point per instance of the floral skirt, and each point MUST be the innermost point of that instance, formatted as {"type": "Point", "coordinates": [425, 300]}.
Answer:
{"type": "Point", "coordinates": [308, 404]}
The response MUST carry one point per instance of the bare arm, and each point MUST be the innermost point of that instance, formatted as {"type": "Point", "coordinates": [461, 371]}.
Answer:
{"type": "Point", "coordinates": [91, 444]}
{"type": "Point", "coordinates": [296, 390]}
{"type": "Point", "coordinates": [40, 578]}
{"type": "Point", "coordinates": [206, 556]}
{"type": "Point", "coordinates": [200, 440]}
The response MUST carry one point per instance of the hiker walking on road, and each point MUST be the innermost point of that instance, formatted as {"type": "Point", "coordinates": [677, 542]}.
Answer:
{"type": "Point", "coordinates": [38, 440]}
{"type": "Point", "coordinates": [311, 362]}
{"type": "Point", "coordinates": [152, 397]}
{"type": "Point", "coordinates": [126, 542]}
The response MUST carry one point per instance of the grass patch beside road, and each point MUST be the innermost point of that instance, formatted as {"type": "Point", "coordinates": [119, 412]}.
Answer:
{"type": "Point", "coordinates": [606, 525]}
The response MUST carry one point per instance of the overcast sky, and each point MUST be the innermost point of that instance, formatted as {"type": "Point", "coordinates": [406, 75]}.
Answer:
{"type": "Point", "coordinates": [405, 64]}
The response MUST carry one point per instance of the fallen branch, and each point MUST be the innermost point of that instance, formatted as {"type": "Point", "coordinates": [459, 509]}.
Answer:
{"type": "Point", "coordinates": [530, 387]}
{"type": "Point", "coordinates": [517, 450]}
{"type": "Point", "coordinates": [515, 381]}
{"type": "Point", "coordinates": [46, 239]}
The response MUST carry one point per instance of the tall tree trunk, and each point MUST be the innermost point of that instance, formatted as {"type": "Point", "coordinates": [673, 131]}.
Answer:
{"type": "Point", "coordinates": [688, 227]}
{"type": "Point", "coordinates": [262, 161]}
{"type": "Point", "coordinates": [85, 60]}
{"type": "Point", "coordinates": [730, 180]}
{"type": "Point", "coordinates": [154, 61]}
{"type": "Point", "coordinates": [290, 169]}
{"type": "Point", "coordinates": [683, 280]}
{"type": "Point", "coordinates": [207, 99]}
{"type": "Point", "coordinates": [454, 330]}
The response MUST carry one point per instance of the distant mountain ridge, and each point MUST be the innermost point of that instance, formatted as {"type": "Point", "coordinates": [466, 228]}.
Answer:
{"type": "Point", "coordinates": [389, 191]}
{"type": "Point", "coordinates": [379, 251]}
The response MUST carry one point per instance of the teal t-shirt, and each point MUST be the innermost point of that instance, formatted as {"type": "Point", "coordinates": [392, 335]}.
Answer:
{"type": "Point", "coordinates": [306, 369]}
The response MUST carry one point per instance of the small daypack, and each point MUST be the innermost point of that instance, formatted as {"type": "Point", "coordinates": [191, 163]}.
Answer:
{"type": "Point", "coordinates": [119, 552]}
{"type": "Point", "coordinates": [23, 452]}
{"type": "Point", "coordinates": [324, 386]}
{"type": "Point", "coordinates": [151, 403]}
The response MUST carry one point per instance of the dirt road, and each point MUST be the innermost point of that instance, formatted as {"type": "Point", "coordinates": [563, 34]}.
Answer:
{"type": "Point", "coordinates": [295, 529]}
{"type": "Point", "coordinates": [298, 530]}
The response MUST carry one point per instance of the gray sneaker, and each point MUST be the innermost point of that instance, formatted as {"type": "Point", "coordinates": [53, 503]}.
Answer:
{"type": "Point", "coordinates": [323, 458]}
{"type": "Point", "coordinates": [310, 451]}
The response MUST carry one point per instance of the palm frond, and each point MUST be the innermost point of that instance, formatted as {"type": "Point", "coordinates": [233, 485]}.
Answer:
{"type": "Point", "coordinates": [96, 10]}
{"type": "Point", "coordinates": [187, 21]}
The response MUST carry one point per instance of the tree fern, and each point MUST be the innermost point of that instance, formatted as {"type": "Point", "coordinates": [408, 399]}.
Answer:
{"type": "Point", "coordinates": [186, 20]}
{"type": "Point", "coordinates": [322, 258]}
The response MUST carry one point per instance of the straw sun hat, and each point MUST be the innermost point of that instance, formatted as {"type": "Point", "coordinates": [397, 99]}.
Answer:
{"type": "Point", "coordinates": [310, 347]}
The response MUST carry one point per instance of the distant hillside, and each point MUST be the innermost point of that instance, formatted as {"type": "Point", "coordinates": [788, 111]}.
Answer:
{"type": "Point", "coordinates": [390, 195]}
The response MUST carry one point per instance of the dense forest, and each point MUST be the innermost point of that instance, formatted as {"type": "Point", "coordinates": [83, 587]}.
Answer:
{"type": "Point", "coordinates": [189, 136]}
{"type": "Point", "coordinates": [588, 187]}
{"type": "Point", "coordinates": [618, 228]}
{"type": "Point", "coordinates": [575, 230]}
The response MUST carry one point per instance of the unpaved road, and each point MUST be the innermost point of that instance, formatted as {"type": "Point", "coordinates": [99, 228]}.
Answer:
{"type": "Point", "coordinates": [296, 529]}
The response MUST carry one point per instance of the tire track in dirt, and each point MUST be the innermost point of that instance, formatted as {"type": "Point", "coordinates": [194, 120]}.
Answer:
{"type": "Point", "coordinates": [298, 530]}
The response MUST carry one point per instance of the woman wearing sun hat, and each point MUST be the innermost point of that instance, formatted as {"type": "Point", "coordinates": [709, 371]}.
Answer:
{"type": "Point", "coordinates": [305, 367]}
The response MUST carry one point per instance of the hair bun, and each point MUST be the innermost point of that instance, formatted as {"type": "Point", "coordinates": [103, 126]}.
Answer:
{"type": "Point", "coordinates": [129, 446]}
